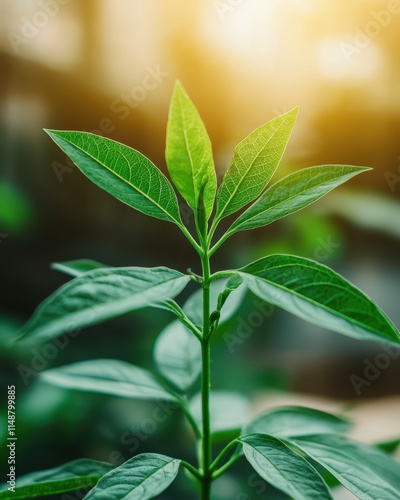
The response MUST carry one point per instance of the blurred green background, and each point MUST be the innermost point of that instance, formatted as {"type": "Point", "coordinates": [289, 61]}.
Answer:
{"type": "Point", "coordinates": [109, 67]}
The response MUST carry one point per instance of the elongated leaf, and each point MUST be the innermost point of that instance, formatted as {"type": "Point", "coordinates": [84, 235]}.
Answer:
{"type": "Point", "coordinates": [77, 267]}
{"type": "Point", "coordinates": [193, 307]}
{"type": "Point", "coordinates": [81, 473]}
{"type": "Point", "coordinates": [291, 421]}
{"type": "Point", "coordinates": [280, 466]}
{"type": "Point", "coordinates": [364, 470]}
{"type": "Point", "coordinates": [109, 376]}
{"type": "Point", "coordinates": [100, 295]}
{"type": "Point", "coordinates": [177, 353]}
{"type": "Point", "coordinates": [121, 171]}
{"type": "Point", "coordinates": [189, 154]}
{"type": "Point", "coordinates": [228, 410]}
{"type": "Point", "coordinates": [140, 478]}
{"type": "Point", "coordinates": [317, 294]}
{"type": "Point", "coordinates": [253, 164]}
{"type": "Point", "coordinates": [293, 193]}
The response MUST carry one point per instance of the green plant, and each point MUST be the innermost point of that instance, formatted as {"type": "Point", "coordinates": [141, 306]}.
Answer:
{"type": "Point", "coordinates": [284, 444]}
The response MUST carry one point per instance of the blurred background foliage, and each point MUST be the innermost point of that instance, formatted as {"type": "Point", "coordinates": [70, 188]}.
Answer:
{"type": "Point", "coordinates": [109, 67]}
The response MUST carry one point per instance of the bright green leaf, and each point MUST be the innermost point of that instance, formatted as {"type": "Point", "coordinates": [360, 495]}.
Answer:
{"type": "Point", "coordinates": [140, 478]}
{"type": "Point", "coordinates": [255, 160]}
{"type": "Point", "coordinates": [109, 376]}
{"type": "Point", "coordinates": [228, 410]}
{"type": "Point", "coordinates": [177, 353]}
{"type": "Point", "coordinates": [364, 470]}
{"type": "Point", "coordinates": [121, 171]}
{"type": "Point", "coordinates": [100, 295]}
{"type": "Point", "coordinates": [293, 193]}
{"type": "Point", "coordinates": [317, 294]}
{"type": "Point", "coordinates": [189, 154]}
{"type": "Point", "coordinates": [290, 421]}
{"type": "Point", "coordinates": [75, 475]}
{"type": "Point", "coordinates": [77, 267]}
{"type": "Point", "coordinates": [280, 466]}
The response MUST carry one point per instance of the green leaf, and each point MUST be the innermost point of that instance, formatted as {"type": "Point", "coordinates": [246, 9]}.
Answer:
{"type": "Point", "coordinates": [109, 376]}
{"type": "Point", "coordinates": [280, 466]}
{"type": "Point", "coordinates": [100, 295]}
{"type": "Point", "coordinates": [193, 307]}
{"type": "Point", "coordinates": [177, 353]}
{"type": "Point", "coordinates": [292, 193]}
{"type": "Point", "coordinates": [228, 410]}
{"type": "Point", "coordinates": [121, 171]}
{"type": "Point", "coordinates": [81, 473]}
{"type": "Point", "coordinates": [77, 267]}
{"type": "Point", "coordinates": [254, 162]}
{"type": "Point", "coordinates": [140, 478]}
{"type": "Point", "coordinates": [362, 469]}
{"type": "Point", "coordinates": [291, 421]}
{"type": "Point", "coordinates": [189, 154]}
{"type": "Point", "coordinates": [317, 294]}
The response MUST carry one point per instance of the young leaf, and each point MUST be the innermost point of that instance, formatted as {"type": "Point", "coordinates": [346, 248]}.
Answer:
{"type": "Point", "coordinates": [253, 164]}
{"type": "Point", "coordinates": [140, 478]}
{"type": "Point", "coordinates": [362, 469]}
{"type": "Point", "coordinates": [77, 267]}
{"type": "Point", "coordinates": [291, 421]}
{"type": "Point", "coordinates": [100, 295]}
{"type": "Point", "coordinates": [177, 353]}
{"type": "Point", "coordinates": [121, 171]}
{"type": "Point", "coordinates": [194, 309]}
{"type": "Point", "coordinates": [293, 193]}
{"type": "Point", "coordinates": [280, 466]}
{"type": "Point", "coordinates": [229, 410]}
{"type": "Point", "coordinates": [109, 376]}
{"type": "Point", "coordinates": [81, 473]}
{"type": "Point", "coordinates": [317, 294]}
{"type": "Point", "coordinates": [189, 154]}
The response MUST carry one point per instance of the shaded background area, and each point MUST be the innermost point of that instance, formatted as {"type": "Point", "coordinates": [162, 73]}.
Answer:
{"type": "Point", "coordinates": [109, 67]}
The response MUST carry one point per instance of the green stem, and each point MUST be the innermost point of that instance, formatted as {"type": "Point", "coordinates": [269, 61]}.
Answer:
{"type": "Point", "coordinates": [206, 381]}
{"type": "Point", "coordinates": [228, 464]}
{"type": "Point", "coordinates": [191, 469]}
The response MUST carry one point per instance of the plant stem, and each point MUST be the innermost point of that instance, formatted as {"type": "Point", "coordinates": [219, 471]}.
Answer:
{"type": "Point", "coordinates": [206, 382]}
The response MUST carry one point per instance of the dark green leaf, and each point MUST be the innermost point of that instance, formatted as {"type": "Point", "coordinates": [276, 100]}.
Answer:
{"type": "Point", "coordinates": [77, 267]}
{"type": "Point", "coordinates": [189, 154]}
{"type": "Point", "coordinates": [121, 171]}
{"type": "Point", "coordinates": [81, 473]}
{"type": "Point", "coordinates": [290, 421]}
{"type": "Point", "coordinates": [253, 164]}
{"type": "Point", "coordinates": [140, 478]}
{"type": "Point", "coordinates": [100, 295]}
{"type": "Point", "coordinates": [363, 469]}
{"type": "Point", "coordinates": [280, 466]}
{"type": "Point", "coordinates": [177, 353]}
{"type": "Point", "coordinates": [293, 193]}
{"type": "Point", "coordinates": [109, 376]}
{"type": "Point", "coordinates": [317, 294]}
